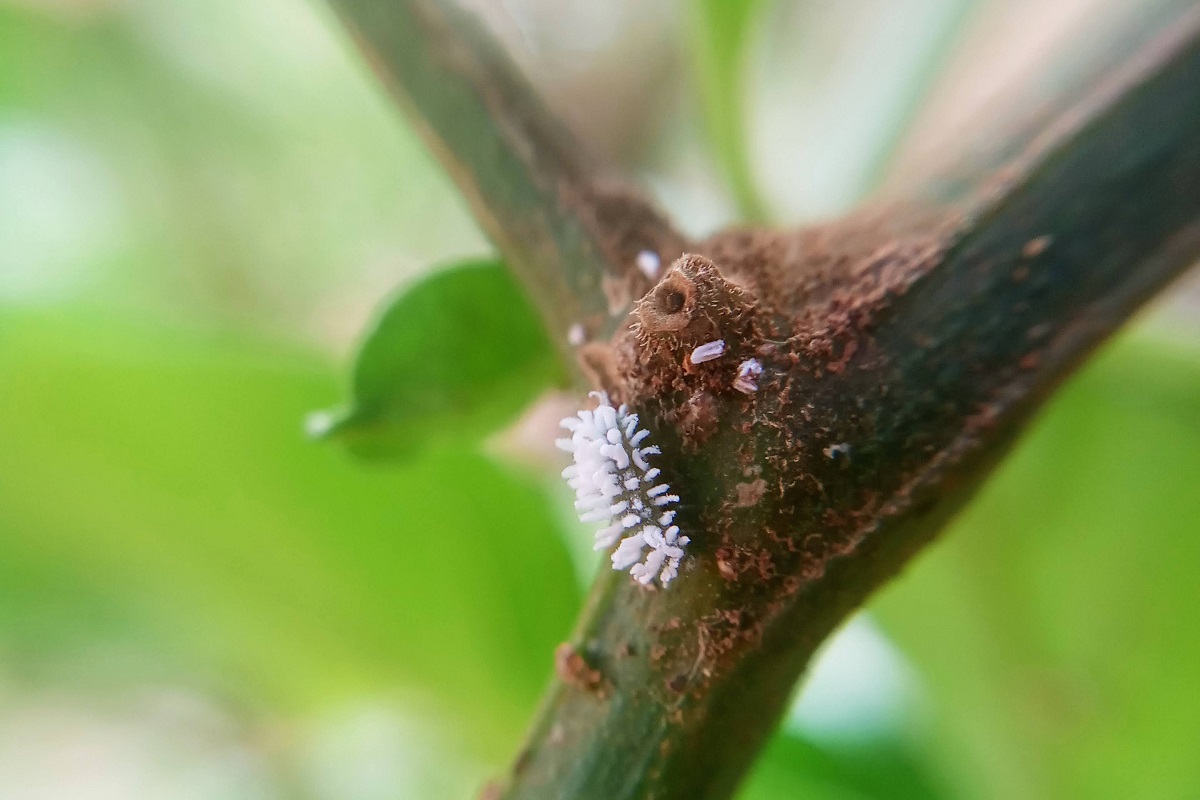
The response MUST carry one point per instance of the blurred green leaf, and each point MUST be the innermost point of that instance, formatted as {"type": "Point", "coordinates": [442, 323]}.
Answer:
{"type": "Point", "coordinates": [183, 138]}
{"type": "Point", "coordinates": [453, 356]}
{"type": "Point", "coordinates": [157, 496]}
{"type": "Point", "coordinates": [1055, 624]}
{"type": "Point", "coordinates": [722, 29]}
{"type": "Point", "coordinates": [795, 767]}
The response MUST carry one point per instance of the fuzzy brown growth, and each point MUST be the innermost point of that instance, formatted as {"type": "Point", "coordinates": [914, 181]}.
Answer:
{"type": "Point", "coordinates": [697, 419]}
{"type": "Point", "coordinates": [669, 308]}
{"type": "Point", "coordinates": [693, 303]}
{"type": "Point", "coordinates": [804, 305]}
{"type": "Point", "coordinates": [797, 302]}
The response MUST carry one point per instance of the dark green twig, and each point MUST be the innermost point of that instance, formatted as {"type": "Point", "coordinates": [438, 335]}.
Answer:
{"type": "Point", "coordinates": [568, 225]}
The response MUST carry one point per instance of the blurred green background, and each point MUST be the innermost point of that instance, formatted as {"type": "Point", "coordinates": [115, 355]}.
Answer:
{"type": "Point", "coordinates": [202, 207]}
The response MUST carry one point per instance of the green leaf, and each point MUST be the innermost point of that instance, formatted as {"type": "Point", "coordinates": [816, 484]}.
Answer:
{"type": "Point", "coordinates": [882, 769]}
{"type": "Point", "coordinates": [157, 498]}
{"type": "Point", "coordinates": [452, 357]}
{"type": "Point", "coordinates": [1055, 623]}
{"type": "Point", "coordinates": [721, 32]}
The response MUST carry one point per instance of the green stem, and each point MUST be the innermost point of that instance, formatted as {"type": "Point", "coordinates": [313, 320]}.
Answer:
{"type": "Point", "coordinates": [722, 33]}
{"type": "Point", "coordinates": [568, 226]}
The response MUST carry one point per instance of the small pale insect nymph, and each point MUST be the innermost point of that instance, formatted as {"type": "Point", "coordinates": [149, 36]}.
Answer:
{"type": "Point", "coordinates": [748, 372]}
{"type": "Point", "coordinates": [614, 484]}
{"type": "Point", "coordinates": [708, 351]}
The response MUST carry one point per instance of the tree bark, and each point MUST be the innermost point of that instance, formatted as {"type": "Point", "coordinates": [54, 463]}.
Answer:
{"type": "Point", "coordinates": [903, 348]}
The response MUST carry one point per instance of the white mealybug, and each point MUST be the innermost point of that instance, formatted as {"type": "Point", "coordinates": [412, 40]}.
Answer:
{"type": "Point", "coordinates": [746, 381]}
{"type": "Point", "coordinates": [708, 351]}
{"type": "Point", "coordinates": [614, 484]}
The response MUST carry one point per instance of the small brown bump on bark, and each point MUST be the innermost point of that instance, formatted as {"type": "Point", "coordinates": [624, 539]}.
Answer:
{"type": "Point", "coordinates": [573, 670]}
{"type": "Point", "coordinates": [697, 419]}
{"type": "Point", "coordinates": [691, 301]}
{"type": "Point", "coordinates": [1035, 247]}
{"type": "Point", "coordinates": [840, 451]}
{"type": "Point", "coordinates": [748, 494]}
{"type": "Point", "coordinates": [670, 306]}
{"type": "Point", "coordinates": [725, 564]}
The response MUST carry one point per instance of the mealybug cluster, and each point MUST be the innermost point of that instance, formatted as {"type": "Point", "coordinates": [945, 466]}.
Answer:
{"type": "Point", "coordinates": [615, 484]}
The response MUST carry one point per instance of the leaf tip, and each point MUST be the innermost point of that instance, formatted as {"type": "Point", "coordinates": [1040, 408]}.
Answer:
{"type": "Point", "coordinates": [322, 425]}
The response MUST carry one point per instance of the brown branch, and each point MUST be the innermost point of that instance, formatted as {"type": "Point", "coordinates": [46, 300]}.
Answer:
{"type": "Point", "coordinates": [566, 224]}
{"type": "Point", "coordinates": [903, 347]}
